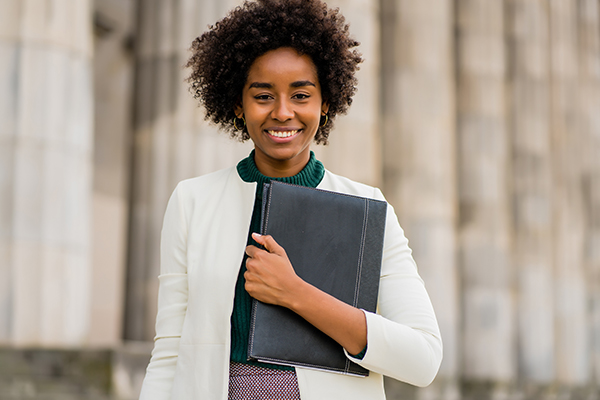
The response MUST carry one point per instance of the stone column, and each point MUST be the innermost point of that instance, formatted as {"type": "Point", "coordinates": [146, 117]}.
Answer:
{"type": "Point", "coordinates": [419, 173]}
{"type": "Point", "coordinates": [532, 187]}
{"type": "Point", "coordinates": [171, 140]}
{"type": "Point", "coordinates": [113, 88]}
{"type": "Point", "coordinates": [45, 171]}
{"type": "Point", "coordinates": [354, 148]}
{"type": "Point", "coordinates": [589, 77]}
{"type": "Point", "coordinates": [483, 162]}
{"type": "Point", "coordinates": [572, 350]}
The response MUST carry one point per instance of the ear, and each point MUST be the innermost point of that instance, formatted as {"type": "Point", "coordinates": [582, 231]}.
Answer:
{"type": "Point", "coordinates": [325, 107]}
{"type": "Point", "coordinates": [238, 110]}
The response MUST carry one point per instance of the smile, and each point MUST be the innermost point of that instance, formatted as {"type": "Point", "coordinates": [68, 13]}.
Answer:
{"type": "Point", "coordinates": [282, 134]}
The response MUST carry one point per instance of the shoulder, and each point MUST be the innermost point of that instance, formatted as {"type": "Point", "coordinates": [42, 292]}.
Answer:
{"type": "Point", "coordinates": [341, 184]}
{"type": "Point", "coordinates": [206, 184]}
{"type": "Point", "coordinates": [223, 188]}
{"type": "Point", "coordinates": [219, 177]}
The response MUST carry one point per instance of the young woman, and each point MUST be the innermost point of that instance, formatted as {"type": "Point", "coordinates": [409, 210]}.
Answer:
{"type": "Point", "coordinates": [276, 72]}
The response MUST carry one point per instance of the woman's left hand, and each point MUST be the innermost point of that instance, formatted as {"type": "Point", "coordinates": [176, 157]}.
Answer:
{"type": "Point", "coordinates": [270, 276]}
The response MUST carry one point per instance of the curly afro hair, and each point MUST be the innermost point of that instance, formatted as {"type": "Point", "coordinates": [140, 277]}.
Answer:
{"type": "Point", "coordinates": [222, 56]}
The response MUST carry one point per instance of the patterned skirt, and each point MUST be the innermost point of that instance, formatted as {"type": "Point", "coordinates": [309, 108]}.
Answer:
{"type": "Point", "coordinates": [249, 382]}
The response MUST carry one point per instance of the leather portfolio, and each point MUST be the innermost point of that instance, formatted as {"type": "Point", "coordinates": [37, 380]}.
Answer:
{"type": "Point", "coordinates": [334, 241]}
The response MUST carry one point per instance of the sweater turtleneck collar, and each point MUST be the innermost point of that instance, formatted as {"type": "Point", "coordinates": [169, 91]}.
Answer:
{"type": "Point", "coordinates": [310, 176]}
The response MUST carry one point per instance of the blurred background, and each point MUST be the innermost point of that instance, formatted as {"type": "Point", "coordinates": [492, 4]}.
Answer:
{"type": "Point", "coordinates": [479, 119]}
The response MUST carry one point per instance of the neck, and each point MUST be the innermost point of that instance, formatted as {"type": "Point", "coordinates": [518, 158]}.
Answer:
{"type": "Point", "coordinates": [281, 168]}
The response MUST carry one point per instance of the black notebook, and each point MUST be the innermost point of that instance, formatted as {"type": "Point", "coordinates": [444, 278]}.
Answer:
{"type": "Point", "coordinates": [334, 242]}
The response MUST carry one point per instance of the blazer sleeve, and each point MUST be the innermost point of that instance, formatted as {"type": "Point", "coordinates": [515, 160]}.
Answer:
{"type": "Point", "coordinates": [172, 300]}
{"type": "Point", "coordinates": [403, 337]}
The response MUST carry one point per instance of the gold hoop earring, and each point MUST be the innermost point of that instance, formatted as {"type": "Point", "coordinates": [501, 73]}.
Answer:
{"type": "Point", "coordinates": [235, 124]}
{"type": "Point", "coordinates": [326, 120]}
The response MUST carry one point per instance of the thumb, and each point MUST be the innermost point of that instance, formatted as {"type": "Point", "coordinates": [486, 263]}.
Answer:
{"type": "Point", "coordinates": [268, 243]}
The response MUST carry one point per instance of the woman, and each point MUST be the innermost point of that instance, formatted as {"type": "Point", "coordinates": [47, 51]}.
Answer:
{"type": "Point", "coordinates": [277, 72]}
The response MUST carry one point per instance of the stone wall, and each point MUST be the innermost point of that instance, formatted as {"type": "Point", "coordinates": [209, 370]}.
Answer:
{"type": "Point", "coordinates": [79, 374]}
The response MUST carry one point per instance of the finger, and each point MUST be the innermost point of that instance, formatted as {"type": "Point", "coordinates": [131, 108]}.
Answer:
{"type": "Point", "coordinates": [251, 250]}
{"type": "Point", "coordinates": [268, 243]}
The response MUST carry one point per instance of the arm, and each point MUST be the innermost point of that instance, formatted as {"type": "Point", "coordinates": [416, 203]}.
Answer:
{"type": "Point", "coordinates": [405, 326]}
{"type": "Point", "coordinates": [172, 302]}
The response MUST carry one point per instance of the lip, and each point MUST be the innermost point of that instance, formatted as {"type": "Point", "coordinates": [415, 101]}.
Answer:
{"type": "Point", "coordinates": [282, 135]}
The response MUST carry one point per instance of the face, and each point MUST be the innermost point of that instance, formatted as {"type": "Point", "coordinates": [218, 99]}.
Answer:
{"type": "Point", "coordinates": [282, 105]}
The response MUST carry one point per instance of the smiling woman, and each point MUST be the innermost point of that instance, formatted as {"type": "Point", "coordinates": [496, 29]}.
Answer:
{"type": "Point", "coordinates": [276, 72]}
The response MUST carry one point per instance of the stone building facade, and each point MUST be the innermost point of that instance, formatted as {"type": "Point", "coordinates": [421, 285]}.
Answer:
{"type": "Point", "coordinates": [479, 119]}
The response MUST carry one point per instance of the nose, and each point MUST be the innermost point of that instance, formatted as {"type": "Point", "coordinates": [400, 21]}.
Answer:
{"type": "Point", "coordinates": [282, 110]}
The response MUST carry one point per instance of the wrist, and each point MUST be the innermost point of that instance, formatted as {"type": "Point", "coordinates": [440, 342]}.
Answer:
{"type": "Point", "coordinates": [296, 294]}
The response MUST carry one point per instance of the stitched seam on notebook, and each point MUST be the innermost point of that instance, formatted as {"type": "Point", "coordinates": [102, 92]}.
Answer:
{"type": "Point", "coordinates": [268, 210]}
{"type": "Point", "coordinates": [347, 366]}
{"type": "Point", "coordinates": [309, 365]}
{"type": "Point", "coordinates": [326, 191]}
{"type": "Point", "coordinates": [253, 327]}
{"type": "Point", "coordinates": [361, 254]}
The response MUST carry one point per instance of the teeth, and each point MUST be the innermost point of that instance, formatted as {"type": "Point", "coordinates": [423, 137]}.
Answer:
{"type": "Point", "coordinates": [282, 134]}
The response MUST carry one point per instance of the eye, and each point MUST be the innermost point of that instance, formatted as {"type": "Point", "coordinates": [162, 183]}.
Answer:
{"type": "Point", "coordinates": [262, 97]}
{"type": "Point", "coordinates": [300, 96]}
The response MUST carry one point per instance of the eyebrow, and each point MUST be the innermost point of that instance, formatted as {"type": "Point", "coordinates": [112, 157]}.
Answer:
{"type": "Point", "coordinates": [265, 85]}
{"type": "Point", "coordinates": [261, 85]}
{"type": "Point", "coordinates": [301, 83]}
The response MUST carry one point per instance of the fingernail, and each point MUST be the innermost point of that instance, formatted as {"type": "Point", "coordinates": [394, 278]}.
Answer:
{"type": "Point", "coordinates": [254, 234]}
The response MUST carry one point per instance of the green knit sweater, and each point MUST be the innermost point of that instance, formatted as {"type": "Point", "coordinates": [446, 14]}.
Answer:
{"type": "Point", "coordinates": [310, 176]}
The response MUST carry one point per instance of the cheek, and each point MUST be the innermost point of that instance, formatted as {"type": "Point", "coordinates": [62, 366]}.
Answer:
{"type": "Point", "coordinates": [314, 116]}
{"type": "Point", "coordinates": [254, 122]}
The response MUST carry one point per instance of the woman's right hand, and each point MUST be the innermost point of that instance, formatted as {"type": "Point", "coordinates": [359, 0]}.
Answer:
{"type": "Point", "coordinates": [269, 275]}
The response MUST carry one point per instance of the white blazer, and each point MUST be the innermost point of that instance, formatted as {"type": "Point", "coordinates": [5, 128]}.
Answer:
{"type": "Point", "coordinates": [203, 240]}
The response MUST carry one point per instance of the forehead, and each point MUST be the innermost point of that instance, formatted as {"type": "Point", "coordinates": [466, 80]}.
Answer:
{"type": "Point", "coordinates": [282, 64]}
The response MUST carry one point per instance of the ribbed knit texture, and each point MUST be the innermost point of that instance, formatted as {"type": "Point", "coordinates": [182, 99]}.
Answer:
{"type": "Point", "coordinates": [310, 176]}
